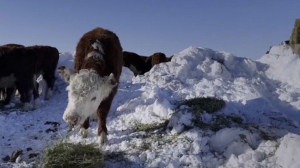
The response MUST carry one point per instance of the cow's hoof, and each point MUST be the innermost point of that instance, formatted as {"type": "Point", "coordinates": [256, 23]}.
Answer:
{"type": "Point", "coordinates": [10, 105]}
{"type": "Point", "coordinates": [48, 94]}
{"type": "Point", "coordinates": [36, 103]}
{"type": "Point", "coordinates": [26, 107]}
{"type": "Point", "coordinates": [102, 138]}
{"type": "Point", "coordinates": [83, 132]}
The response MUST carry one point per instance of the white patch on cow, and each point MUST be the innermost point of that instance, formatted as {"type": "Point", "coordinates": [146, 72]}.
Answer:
{"type": "Point", "coordinates": [102, 138]}
{"type": "Point", "coordinates": [86, 91]}
{"type": "Point", "coordinates": [97, 46]}
{"type": "Point", "coordinates": [83, 132]}
{"type": "Point", "coordinates": [48, 94]}
{"type": "Point", "coordinates": [2, 95]}
{"type": "Point", "coordinates": [36, 103]}
{"type": "Point", "coordinates": [95, 55]}
{"type": "Point", "coordinates": [66, 74]}
{"type": "Point", "coordinates": [17, 93]}
{"type": "Point", "coordinates": [26, 106]}
{"type": "Point", "coordinates": [10, 105]}
{"type": "Point", "coordinates": [7, 81]}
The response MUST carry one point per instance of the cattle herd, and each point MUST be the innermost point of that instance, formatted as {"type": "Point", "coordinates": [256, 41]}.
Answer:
{"type": "Point", "coordinates": [93, 83]}
{"type": "Point", "coordinates": [139, 64]}
{"type": "Point", "coordinates": [19, 68]}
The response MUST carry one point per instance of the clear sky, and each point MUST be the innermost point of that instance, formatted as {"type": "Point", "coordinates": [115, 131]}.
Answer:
{"type": "Point", "coordinates": [246, 28]}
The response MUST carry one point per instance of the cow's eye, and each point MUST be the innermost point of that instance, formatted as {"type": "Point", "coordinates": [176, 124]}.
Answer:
{"type": "Point", "coordinates": [94, 98]}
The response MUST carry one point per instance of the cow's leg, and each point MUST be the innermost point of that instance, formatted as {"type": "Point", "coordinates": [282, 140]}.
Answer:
{"type": "Point", "coordinates": [21, 91]}
{"type": "Point", "coordinates": [7, 101]}
{"type": "Point", "coordinates": [13, 95]}
{"type": "Point", "coordinates": [2, 92]}
{"type": "Point", "coordinates": [25, 90]}
{"type": "Point", "coordinates": [36, 95]}
{"type": "Point", "coordinates": [84, 128]}
{"type": "Point", "coordinates": [102, 113]}
{"type": "Point", "coordinates": [50, 79]}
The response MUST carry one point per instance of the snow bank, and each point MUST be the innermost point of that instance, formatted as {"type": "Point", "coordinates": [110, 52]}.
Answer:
{"type": "Point", "coordinates": [265, 109]}
{"type": "Point", "coordinates": [281, 50]}
{"type": "Point", "coordinates": [283, 65]}
{"type": "Point", "coordinates": [288, 152]}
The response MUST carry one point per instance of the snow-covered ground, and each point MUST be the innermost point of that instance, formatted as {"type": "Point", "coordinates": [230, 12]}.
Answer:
{"type": "Point", "coordinates": [262, 94]}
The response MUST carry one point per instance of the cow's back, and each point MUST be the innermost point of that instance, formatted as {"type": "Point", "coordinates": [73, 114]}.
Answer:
{"type": "Point", "coordinates": [158, 58]}
{"type": "Point", "coordinates": [17, 61]}
{"type": "Point", "coordinates": [113, 56]}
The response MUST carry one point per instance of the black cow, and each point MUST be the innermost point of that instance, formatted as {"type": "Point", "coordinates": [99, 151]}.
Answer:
{"type": "Point", "coordinates": [17, 68]}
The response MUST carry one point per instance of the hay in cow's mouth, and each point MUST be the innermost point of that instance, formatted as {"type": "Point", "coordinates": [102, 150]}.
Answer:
{"type": "Point", "coordinates": [69, 155]}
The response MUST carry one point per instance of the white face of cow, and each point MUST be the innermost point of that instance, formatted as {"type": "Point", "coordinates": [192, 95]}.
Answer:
{"type": "Point", "coordinates": [86, 91]}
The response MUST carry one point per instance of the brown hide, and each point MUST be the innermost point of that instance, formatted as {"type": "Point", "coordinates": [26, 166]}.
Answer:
{"type": "Point", "coordinates": [112, 55]}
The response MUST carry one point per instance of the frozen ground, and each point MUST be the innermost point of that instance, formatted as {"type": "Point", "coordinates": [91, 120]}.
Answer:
{"type": "Point", "coordinates": [259, 126]}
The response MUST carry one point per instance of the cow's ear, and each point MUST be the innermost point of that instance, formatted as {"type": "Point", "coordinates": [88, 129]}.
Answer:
{"type": "Point", "coordinates": [65, 73]}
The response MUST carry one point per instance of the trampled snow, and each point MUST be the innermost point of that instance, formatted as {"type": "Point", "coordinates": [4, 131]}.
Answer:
{"type": "Point", "coordinates": [263, 94]}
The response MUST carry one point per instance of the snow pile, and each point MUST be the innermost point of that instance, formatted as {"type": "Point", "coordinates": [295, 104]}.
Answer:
{"type": "Point", "coordinates": [288, 152]}
{"type": "Point", "coordinates": [253, 129]}
{"type": "Point", "coordinates": [126, 75]}
{"type": "Point", "coordinates": [281, 50]}
{"type": "Point", "coordinates": [283, 65]}
{"type": "Point", "coordinates": [284, 68]}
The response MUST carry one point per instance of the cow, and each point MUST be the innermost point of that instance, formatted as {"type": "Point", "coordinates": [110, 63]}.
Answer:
{"type": "Point", "coordinates": [2, 90]}
{"type": "Point", "coordinates": [94, 81]}
{"type": "Point", "coordinates": [135, 63]}
{"type": "Point", "coordinates": [13, 45]}
{"type": "Point", "coordinates": [158, 58]}
{"type": "Point", "coordinates": [47, 60]}
{"type": "Point", "coordinates": [17, 68]}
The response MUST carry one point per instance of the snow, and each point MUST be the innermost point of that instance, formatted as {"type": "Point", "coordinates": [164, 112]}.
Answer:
{"type": "Point", "coordinates": [264, 94]}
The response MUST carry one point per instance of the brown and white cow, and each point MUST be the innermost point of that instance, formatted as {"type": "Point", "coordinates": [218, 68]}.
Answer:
{"type": "Point", "coordinates": [17, 68]}
{"type": "Point", "coordinates": [158, 58]}
{"type": "Point", "coordinates": [94, 82]}
{"type": "Point", "coordinates": [135, 63]}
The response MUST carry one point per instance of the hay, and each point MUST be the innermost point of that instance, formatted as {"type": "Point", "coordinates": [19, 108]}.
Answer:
{"type": "Point", "coordinates": [297, 23]}
{"type": "Point", "coordinates": [208, 104]}
{"type": "Point", "coordinates": [67, 155]}
{"type": "Point", "coordinates": [295, 37]}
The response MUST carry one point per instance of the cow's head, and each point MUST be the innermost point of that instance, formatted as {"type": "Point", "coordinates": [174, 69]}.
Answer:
{"type": "Point", "coordinates": [87, 89]}
{"type": "Point", "coordinates": [65, 73]}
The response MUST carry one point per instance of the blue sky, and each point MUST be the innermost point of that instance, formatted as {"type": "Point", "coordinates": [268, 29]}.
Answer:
{"type": "Point", "coordinates": [246, 28]}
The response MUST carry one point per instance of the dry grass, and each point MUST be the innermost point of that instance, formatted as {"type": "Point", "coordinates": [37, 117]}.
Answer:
{"type": "Point", "coordinates": [67, 155]}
